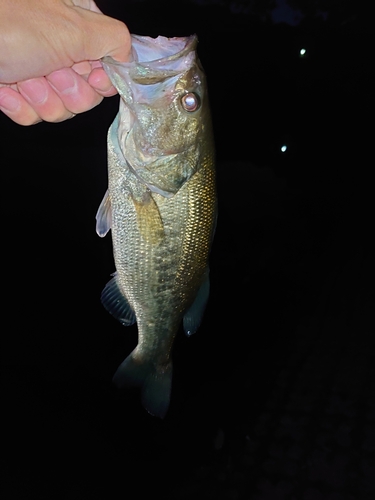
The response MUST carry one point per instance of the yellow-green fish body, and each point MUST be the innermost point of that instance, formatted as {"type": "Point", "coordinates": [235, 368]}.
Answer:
{"type": "Point", "coordinates": [160, 206]}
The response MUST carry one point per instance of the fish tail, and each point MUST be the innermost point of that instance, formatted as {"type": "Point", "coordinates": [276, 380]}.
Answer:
{"type": "Point", "coordinates": [156, 383]}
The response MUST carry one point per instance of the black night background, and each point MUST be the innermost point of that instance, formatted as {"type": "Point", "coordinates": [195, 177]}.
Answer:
{"type": "Point", "coordinates": [273, 397]}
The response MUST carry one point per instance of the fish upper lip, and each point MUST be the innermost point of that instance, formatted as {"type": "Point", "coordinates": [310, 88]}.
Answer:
{"type": "Point", "coordinates": [190, 44]}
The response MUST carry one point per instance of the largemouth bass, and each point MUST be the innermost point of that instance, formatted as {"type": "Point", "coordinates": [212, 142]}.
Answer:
{"type": "Point", "coordinates": [160, 206]}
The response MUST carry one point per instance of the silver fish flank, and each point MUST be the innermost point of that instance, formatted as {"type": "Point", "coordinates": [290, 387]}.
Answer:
{"type": "Point", "coordinates": [160, 206]}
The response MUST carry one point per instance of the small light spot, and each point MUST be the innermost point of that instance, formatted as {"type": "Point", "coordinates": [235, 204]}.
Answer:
{"type": "Point", "coordinates": [302, 52]}
{"type": "Point", "coordinates": [283, 148]}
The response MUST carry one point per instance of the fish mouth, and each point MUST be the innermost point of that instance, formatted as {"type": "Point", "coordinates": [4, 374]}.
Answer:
{"type": "Point", "coordinates": [157, 50]}
{"type": "Point", "coordinates": [154, 60]}
{"type": "Point", "coordinates": [151, 56]}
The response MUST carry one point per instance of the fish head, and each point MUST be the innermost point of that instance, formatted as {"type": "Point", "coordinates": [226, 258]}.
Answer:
{"type": "Point", "coordinates": [164, 112]}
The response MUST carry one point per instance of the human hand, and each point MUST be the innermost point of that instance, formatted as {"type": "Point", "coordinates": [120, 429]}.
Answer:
{"type": "Point", "coordinates": [50, 53]}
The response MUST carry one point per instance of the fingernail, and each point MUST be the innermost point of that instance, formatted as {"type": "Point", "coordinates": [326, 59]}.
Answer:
{"type": "Point", "coordinates": [63, 81]}
{"type": "Point", "coordinates": [35, 90]}
{"type": "Point", "coordinates": [9, 103]}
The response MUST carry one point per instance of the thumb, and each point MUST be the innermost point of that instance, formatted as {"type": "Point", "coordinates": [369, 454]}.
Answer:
{"type": "Point", "coordinates": [103, 36]}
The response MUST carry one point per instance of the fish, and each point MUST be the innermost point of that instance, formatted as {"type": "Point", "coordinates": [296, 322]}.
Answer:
{"type": "Point", "coordinates": [160, 205]}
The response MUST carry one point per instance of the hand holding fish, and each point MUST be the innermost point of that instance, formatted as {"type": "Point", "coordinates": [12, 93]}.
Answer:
{"type": "Point", "coordinates": [50, 53]}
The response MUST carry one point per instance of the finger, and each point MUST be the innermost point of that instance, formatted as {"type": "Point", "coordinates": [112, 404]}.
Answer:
{"type": "Point", "coordinates": [99, 80]}
{"type": "Point", "coordinates": [39, 94]}
{"type": "Point", "coordinates": [74, 92]}
{"type": "Point", "coordinates": [82, 68]}
{"type": "Point", "coordinates": [93, 73]}
{"type": "Point", "coordinates": [16, 108]}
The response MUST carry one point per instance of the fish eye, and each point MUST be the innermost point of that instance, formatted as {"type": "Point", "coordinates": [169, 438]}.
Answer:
{"type": "Point", "coordinates": [190, 102]}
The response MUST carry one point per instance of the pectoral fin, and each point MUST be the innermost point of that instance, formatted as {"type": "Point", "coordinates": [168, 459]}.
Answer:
{"type": "Point", "coordinates": [149, 219]}
{"type": "Point", "coordinates": [104, 216]}
{"type": "Point", "coordinates": [116, 304]}
{"type": "Point", "coordinates": [193, 316]}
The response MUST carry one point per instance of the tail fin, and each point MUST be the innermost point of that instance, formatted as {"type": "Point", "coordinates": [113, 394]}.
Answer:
{"type": "Point", "coordinates": [156, 384]}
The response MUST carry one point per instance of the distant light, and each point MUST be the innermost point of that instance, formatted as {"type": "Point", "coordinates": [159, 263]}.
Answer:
{"type": "Point", "coordinates": [302, 52]}
{"type": "Point", "coordinates": [283, 148]}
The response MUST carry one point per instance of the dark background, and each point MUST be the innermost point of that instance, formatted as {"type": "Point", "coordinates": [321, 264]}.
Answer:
{"type": "Point", "coordinates": [273, 398]}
